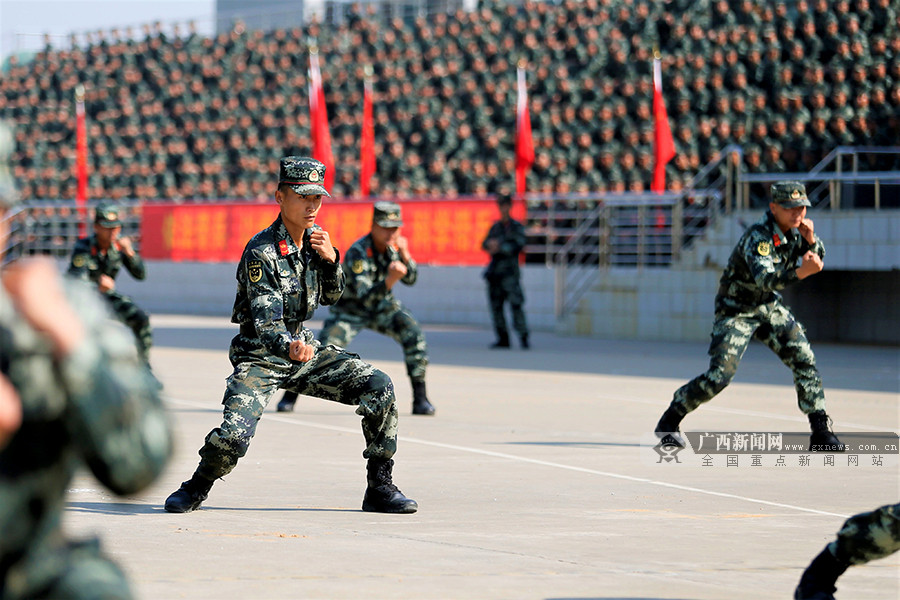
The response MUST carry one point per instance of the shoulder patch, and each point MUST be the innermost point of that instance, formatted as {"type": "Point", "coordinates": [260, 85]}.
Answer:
{"type": "Point", "coordinates": [79, 260]}
{"type": "Point", "coordinates": [358, 266]}
{"type": "Point", "coordinates": [764, 248]}
{"type": "Point", "coordinates": [254, 270]}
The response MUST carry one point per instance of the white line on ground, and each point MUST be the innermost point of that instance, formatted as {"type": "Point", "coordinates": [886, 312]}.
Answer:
{"type": "Point", "coordinates": [409, 440]}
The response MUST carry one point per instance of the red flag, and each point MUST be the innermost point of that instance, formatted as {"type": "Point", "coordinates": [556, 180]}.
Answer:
{"type": "Point", "coordinates": [318, 118]}
{"type": "Point", "coordinates": [663, 144]}
{"type": "Point", "coordinates": [80, 159]}
{"type": "Point", "coordinates": [367, 141]}
{"type": "Point", "coordinates": [524, 143]}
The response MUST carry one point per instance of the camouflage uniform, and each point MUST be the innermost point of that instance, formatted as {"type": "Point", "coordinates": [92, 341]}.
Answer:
{"type": "Point", "coordinates": [863, 537]}
{"type": "Point", "coordinates": [89, 262]}
{"type": "Point", "coordinates": [368, 303]}
{"type": "Point", "coordinates": [748, 305]}
{"type": "Point", "coordinates": [98, 407]}
{"type": "Point", "coordinates": [503, 278]}
{"type": "Point", "coordinates": [279, 287]}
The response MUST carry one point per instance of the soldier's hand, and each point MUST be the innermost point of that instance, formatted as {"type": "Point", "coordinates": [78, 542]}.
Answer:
{"type": "Point", "coordinates": [125, 245]}
{"type": "Point", "coordinates": [302, 352]}
{"type": "Point", "coordinates": [807, 230]}
{"type": "Point", "coordinates": [34, 287]}
{"type": "Point", "coordinates": [106, 283]}
{"type": "Point", "coordinates": [403, 248]}
{"type": "Point", "coordinates": [10, 410]}
{"type": "Point", "coordinates": [321, 243]}
{"type": "Point", "coordinates": [810, 265]}
{"type": "Point", "coordinates": [493, 245]}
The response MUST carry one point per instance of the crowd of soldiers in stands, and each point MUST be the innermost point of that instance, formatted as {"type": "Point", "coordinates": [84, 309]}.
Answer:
{"type": "Point", "coordinates": [182, 116]}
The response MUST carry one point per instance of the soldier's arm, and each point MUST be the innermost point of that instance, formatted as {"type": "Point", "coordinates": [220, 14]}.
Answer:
{"type": "Point", "coordinates": [758, 253]}
{"type": "Point", "coordinates": [266, 302]}
{"type": "Point", "coordinates": [361, 280]}
{"type": "Point", "coordinates": [513, 244]}
{"type": "Point", "coordinates": [331, 280]}
{"type": "Point", "coordinates": [412, 272]}
{"type": "Point", "coordinates": [133, 262]}
{"type": "Point", "coordinates": [78, 263]}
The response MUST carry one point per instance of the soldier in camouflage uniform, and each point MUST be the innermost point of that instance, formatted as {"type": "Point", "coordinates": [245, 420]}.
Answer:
{"type": "Point", "coordinates": [99, 258]}
{"type": "Point", "coordinates": [863, 537]}
{"type": "Point", "coordinates": [504, 241]}
{"type": "Point", "coordinates": [286, 271]}
{"type": "Point", "coordinates": [81, 397]}
{"type": "Point", "coordinates": [749, 305]}
{"type": "Point", "coordinates": [376, 262]}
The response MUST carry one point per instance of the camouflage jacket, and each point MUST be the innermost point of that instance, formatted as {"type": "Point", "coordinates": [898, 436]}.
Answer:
{"type": "Point", "coordinates": [99, 407]}
{"type": "Point", "coordinates": [279, 286]}
{"type": "Point", "coordinates": [505, 262]}
{"type": "Point", "coordinates": [763, 263]}
{"type": "Point", "coordinates": [88, 262]}
{"type": "Point", "coordinates": [367, 293]}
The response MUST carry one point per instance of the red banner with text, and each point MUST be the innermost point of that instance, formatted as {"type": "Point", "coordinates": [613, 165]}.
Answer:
{"type": "Point", "coordinates": [440, 232]}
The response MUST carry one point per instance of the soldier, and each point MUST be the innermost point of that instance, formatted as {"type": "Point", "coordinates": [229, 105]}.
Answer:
{"type": "Point", "coordinates": [504, 242]}
{"type": "Point", "coordinates": [748, 304]}
{"type": "Point", "coordinates": [99, 257]}
{"type": "Point", "coordinates": [286, 271]}
{"type": "Point", "coordinates": [74, 393]}
{"type": "Point", "coordinates": [863, 537]}
{"type": "Point", "coordinates": [377, 261]}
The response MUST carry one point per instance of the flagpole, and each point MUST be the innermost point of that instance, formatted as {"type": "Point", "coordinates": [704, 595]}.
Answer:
{"type": "Point", "coordinates": [318, 117]}
{"type": "Point", "coordinates": [663, 144]}
{"type": "Point", "coordinates": [367, 137]}
{"type": "Point", "coordinates": [80, 160]}
{"type": "Point", "coordinates": [524, 141]}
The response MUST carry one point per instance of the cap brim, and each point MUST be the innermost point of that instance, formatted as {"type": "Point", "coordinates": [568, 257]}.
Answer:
{"type": "Point", "coordinates": [389, 223]}
{"type": "Point", "coordinates": [310, 189]}
{"type": "Point", "coordinates": [109, 223]}
{"type": "Point", "coordinates": [795, 203]}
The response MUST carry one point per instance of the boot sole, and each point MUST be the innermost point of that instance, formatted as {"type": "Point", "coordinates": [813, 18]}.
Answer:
{"type": "Point", "coordinates": [404, 511]}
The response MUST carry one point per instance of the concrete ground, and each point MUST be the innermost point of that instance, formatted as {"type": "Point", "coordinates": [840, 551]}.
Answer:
{"type": "Point", "coordinates": [535, 480]}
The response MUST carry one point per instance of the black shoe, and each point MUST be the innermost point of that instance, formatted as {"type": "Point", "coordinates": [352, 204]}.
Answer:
{"type": "Point", "coordinates": [421, 405]}
{"type": "Point", "coordinates": [286, 404]}
{"type": "Point", "coordinates": [189, 496]}
{"type": "Point", "coordinates": [667, 429]}
{"type": "Point", "coordinates": [502, 342]}
{"type": "Point", "coordinates": [822, 438]}
{"type": "Point", "coordinates": [525, 344]}
{"type": "Point", "coordinates": [817, 581]}
{"type": "Point", "coordinates": [381, 493]}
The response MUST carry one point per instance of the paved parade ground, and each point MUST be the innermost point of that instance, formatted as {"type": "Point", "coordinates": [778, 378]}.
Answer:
{"type": "Point", "coordinates": [536, 479]}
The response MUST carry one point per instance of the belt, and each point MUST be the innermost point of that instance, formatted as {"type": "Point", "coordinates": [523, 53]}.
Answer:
{"type": "Point", "coordinates": [293, 327]}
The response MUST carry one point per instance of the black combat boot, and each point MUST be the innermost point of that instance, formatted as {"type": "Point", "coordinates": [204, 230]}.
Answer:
{"type": "Point", "coordinates": [381, 494]}
{"type": "Point", "coordinates": [524, 339]}
{"type": "Point", "coordinates": [822, 438]}
{"type": "Point", "coordinates": [190, 495]}
{"type": "Point", "coordinates": [286, 404]}
{"type": "Point", "coordinates": [667, 428]}
{"type": "Point", "coordinates": [817, 582]}
{"type": "Point", "coordinates": [421, 405]}
{"type": "Point", "coordinates": [502, 341]}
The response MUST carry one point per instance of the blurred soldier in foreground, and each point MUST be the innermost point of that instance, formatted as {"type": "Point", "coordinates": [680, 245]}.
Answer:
{"type": "Point", "coordinates": [73, 393]}
{"type": "Point", "coordinates": [504, 242]}
{"type": "Point", "coordinates": [864, 537]}
{"type": "Point", "coordinates": [376, 262]}
{"type": "Point", "coordinates": [748, 305]}
{"type": "Point", "coordinates": [286, 271]}
{"type": "Point", "coordinates": [99, 257]}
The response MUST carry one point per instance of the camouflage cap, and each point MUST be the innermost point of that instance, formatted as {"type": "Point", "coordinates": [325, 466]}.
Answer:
{"type": "Point", "coordinates": [107, 215]}
{"type": "Point", "coordinates": [387, 214]}
{"type": "Point", "coordinates": [789, 194]}
{"type": "Point", "coordinates": [306, 176]}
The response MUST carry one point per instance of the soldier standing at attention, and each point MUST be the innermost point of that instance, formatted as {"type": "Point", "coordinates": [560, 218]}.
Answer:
{"type": "Point", "coordinates": [748, 305]}
{"type": "Point", "coordinates": [863, 537]}
{"type": "Point", "coordinates": [504, 241]}
{"type": "Point", "coordinates": [376, 262]}
{"type": "Point", "coordinates": [286, 271]}
{"type": "Point", "coordinates": [73, 394]}
{"type": "Point", "coordinates": [99, 257]}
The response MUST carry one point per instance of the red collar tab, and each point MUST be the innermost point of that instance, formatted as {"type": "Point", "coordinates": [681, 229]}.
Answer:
{"type": "Point", "coordinates": [283, 247]}
{"type": "Point", "coordinates": [776, 240]}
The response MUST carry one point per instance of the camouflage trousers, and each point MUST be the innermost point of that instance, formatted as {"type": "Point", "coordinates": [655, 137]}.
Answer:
{"type": "Point", "coordinates": [72, 570]}
{"type": "Point", "coordinates": [125, 310]}
{"type": "Point", "coordinates": [773, 325]}
{"type": "Point", "coordinates": [868, 536]}
{"type": "Point", "coordinates": [399, 324]}
{"type": "Point", "coordinates": [332, 374]}
{"type": "Point", "coordinates": [500, 291]}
